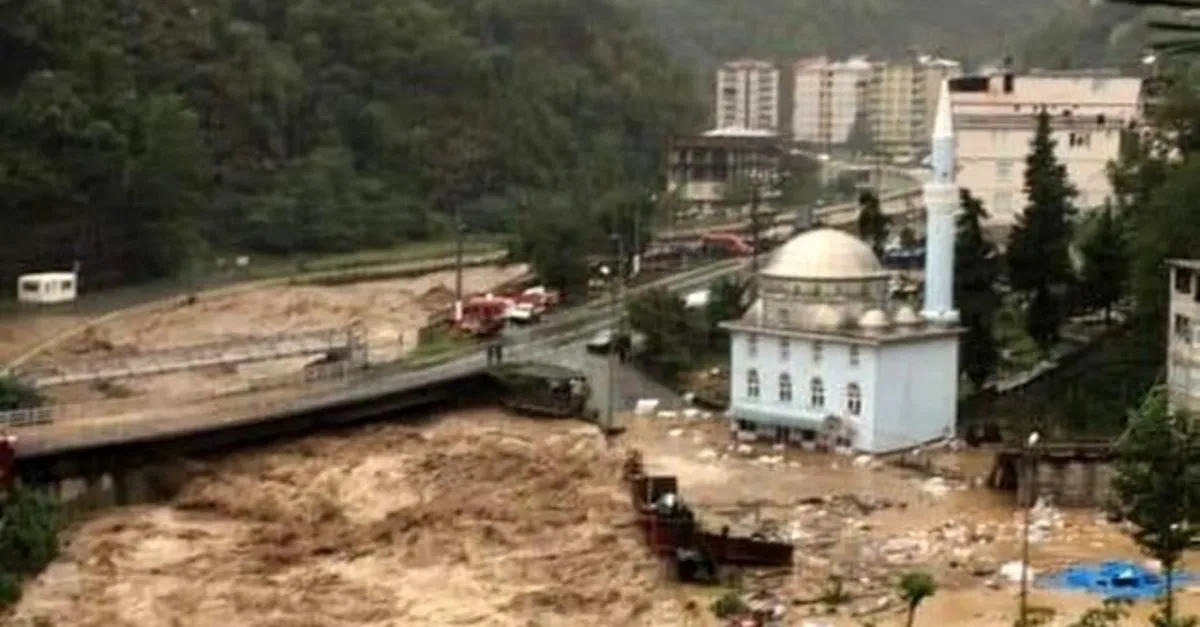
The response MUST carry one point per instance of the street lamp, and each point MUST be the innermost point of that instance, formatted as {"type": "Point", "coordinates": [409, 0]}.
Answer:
{"type": "Point", "coordinates": [1030, 443]}
{"type": "Point", "coordinates": [615, 339]}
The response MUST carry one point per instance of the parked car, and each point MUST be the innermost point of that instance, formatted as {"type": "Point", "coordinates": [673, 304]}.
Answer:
{"type": "Point", "coordinates": [606, 340]}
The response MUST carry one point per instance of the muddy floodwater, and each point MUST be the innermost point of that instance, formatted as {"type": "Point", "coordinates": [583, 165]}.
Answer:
{"type": "Point", "coordinates": [478, 518]}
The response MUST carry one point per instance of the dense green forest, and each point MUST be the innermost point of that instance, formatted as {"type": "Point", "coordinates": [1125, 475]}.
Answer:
{"type": "Point", "coordinates": [141, 136]}
{"type": "Point", "coordinates": [1087, 35]}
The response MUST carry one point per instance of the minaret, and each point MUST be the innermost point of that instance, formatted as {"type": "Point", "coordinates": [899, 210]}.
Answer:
{"type": "Point", "coordinates": [941, 205]}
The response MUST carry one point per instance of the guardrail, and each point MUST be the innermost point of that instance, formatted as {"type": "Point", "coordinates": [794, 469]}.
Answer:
{"type": "Point", "coordinates": [228, 351]}
{"type": "Point", "coordinates": [832, 215]}
{"type": "Point", "coordinates": [325, 385]}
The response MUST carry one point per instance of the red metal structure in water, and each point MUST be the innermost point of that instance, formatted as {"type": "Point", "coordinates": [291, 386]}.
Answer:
{"type": "Point", "coordinates": [670, 526]}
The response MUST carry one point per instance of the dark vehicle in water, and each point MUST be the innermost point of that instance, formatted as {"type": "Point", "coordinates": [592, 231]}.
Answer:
{"type": "Point", "coordinates": [539, 389]}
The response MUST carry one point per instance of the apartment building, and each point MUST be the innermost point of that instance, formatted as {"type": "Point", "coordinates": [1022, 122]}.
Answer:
{"type": "Point", "coordinates": [901, 99]}
{"type": "Point", "coordinates": [700, 169]}
{"type": "Point", "coordinates": [1183, 340]}
{"type": "Point", "coordinates": [994, 123]}
{"type": "Point", "coordinates": [828, 96]}
{"type": "Point", "coordinates": [748, 96]}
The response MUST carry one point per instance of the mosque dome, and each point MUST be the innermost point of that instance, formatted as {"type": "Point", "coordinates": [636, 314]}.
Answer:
{"type": "Point", "coordinates": [906, 315]}
{"type": "Point", "coordinates": [825, 254]}
{"type": "Point", "coordinates": [873, 319]}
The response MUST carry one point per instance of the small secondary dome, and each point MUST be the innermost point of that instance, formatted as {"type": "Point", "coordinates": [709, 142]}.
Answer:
{"type": "Point", "coordinates": [873, 319]}
{"type": "Point", "coordinates": [825, 254]}
{"type": "Point", "coordinates": [906, 315]}
{"type": "Point", "coordinates": [826, 317]}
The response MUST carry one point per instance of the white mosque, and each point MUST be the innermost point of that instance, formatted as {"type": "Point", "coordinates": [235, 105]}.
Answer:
{"type": "Point", "coordinates": [826, 355]}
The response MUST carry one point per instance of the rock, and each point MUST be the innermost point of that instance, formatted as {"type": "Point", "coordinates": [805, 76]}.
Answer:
{"type": "Point", "coordinates": [674, 433]}
{"type": "Point", "coordinates": [707, 454]}
{"type": "Point", "coordinates": [935, 486]}
{"type": "Point", "coordinates": [985, 568]}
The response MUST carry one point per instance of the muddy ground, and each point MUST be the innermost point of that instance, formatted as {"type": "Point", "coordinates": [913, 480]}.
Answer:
{"type": "Point", "coordinates": [392, 310]}
{"type": "Point", "coordinates": [483, 519]}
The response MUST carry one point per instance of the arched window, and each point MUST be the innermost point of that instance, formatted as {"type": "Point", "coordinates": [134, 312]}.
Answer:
{"type": "Point", "coordinates": [854, 399]}
{"type": "Point", "coordinates": [816, 392]}
{"type": "Point", "coordinates": [785, 388]}
{"type": "Point", "coordinates": [752, 386]}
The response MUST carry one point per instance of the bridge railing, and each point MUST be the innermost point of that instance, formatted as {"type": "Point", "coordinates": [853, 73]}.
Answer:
{"type": "Point", "coordinates": [177, 358]}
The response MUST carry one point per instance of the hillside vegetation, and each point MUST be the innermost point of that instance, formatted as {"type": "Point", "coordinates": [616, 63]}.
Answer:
{"type": "Point", "coordinates": [705, 32]}
{"type": "Point", "coordinates": [138, 136]}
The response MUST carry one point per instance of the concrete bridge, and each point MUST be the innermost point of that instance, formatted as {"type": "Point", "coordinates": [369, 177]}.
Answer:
{"type": "Point", "coordinates": [348, 342]}
{"type": "Point", "coordinates": [1069, 474]}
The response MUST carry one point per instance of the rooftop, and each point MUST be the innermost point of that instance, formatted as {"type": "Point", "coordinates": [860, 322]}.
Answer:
{"type": "Point", "coordinates": [825, 254]}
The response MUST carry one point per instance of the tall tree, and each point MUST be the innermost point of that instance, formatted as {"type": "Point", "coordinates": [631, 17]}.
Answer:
{"type": "Point", "coordinates": [976, 273]}
{"type": "Point", "coordinates": [1158, 486]}
{"type": "Point", "coordinates": [1105, 263]}
{"type": "Point", "coordinates": [872, 222]}
{"type": "Point", "coordinates": [1039, 262]}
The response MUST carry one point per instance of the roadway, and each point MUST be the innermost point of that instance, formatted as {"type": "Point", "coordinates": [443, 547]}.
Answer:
{"type": "Point", "coordinates": [558, 340]}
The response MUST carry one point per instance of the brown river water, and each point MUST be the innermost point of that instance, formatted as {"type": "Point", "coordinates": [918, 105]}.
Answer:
{"type": "Point", "coordinates": [478, 518]}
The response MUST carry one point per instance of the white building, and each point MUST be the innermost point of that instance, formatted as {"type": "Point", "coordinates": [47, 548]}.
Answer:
{"type": "Point", "coordinates": [700, 169]}
{"type": "Point", "coordinates": [747, 96]}
{"type": "Point", "coordinates": [826, 353]}
{"type": "Point", "coordinates": [827, 98]}
{"type": "Point", "coordinates": [47, 288]}
{"type": "Point", "coordinates": [995, 116]}
{"type": "Point", "coordinates": [1183, 340]}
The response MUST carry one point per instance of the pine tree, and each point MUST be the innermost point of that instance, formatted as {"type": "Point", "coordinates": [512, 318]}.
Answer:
{"type": "Point", "coordinates": [872, 223]}
{"type": "Point", "coordinates": [1039, 263]}
{"type": "Point", "coordinates": [976, 272]}
{"type": "Point", "coordinates": [1158, 486]}
{"type": "Point", "coordinates": [1105, 263]}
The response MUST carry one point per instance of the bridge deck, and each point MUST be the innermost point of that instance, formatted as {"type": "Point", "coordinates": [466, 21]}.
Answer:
{"type": "Point", "coordinates": [188, 357]}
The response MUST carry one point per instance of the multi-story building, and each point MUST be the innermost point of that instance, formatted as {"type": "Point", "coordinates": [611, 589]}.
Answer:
{"type": "Point", "coordinates": [828, 96]}
{"type": "Point", "coordinates": [748, 96]}
{"type": "Point", "coordinates": [701, 169]}
{"type": "Point", "coordinates": [901, 99]}
{"type": "Point", "coordinates": [995, 118]}
{"type": "Point", "coordinates": [1183, 339]}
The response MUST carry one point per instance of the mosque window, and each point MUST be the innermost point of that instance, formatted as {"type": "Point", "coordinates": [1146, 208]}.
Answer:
{"type": "Point", "coordinates": [854, 356]}
{"type": "Point", "coordinates": [818, 348]}
{"type": "Point", "coordinates": [785, 349]}
{"type": "Point", "coordinates": [752, 386]}
{"type": "Point", "coordinates": [816, 392]}
{"type": "Point", "coordinates": [785, 388]}
{"type": "Point", "coordinates": [752, 345]}
{"type": "Point", "coordinates": [854, 399]}
{"type": "Point", "coordinates": [785, 316]}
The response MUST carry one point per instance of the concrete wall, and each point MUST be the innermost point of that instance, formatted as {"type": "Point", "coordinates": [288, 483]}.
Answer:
{"type": "Point", "coordinates": [916, 401]}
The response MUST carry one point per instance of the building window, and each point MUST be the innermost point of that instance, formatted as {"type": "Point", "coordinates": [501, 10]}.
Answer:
{"type": "Point", "coordinates": [752, 345]}
{"type": "Point", "coordinates": [785, 388]}
{"type": "Point", "coordinates": [785, 316]}
{"type": "Point", "coordinates": [816, 392]}
{"type": "Point", "coordinates": [818, 348]}
{"type": "Point", "coordinates": [854, 399]}
{"type": "Point", "coordinates": [1183, 328]}
{"type": "Point", "coordinates": [854, 358]}
{"type": "Point", "coordinates": [785, 349]}
{"type": "Point", "coordinates": [1003, 202]}
{"type": "Point", "coordinates": [1004, 170]}
{"type": "Point", "coordinates": [1183, 281]}
{"type": "Point", "coordinates": [752, 386]}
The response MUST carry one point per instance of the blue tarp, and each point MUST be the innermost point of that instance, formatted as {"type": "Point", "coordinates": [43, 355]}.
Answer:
{"type": "Point", "coordinates": [1113, 580]}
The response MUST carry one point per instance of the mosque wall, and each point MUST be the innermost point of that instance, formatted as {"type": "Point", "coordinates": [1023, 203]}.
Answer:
{"type": "Point", "coordinates": [917, 396]}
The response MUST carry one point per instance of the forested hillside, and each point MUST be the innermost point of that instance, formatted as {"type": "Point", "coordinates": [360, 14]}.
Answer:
{"type": "Point", "coordinates": [1088, 35]}
{"type": "Point", "coordinates": [705, 32]}
{"type": "Point", "coordinates": [140, 135]}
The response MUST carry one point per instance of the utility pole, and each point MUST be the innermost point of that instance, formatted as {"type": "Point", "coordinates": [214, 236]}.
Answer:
{"type": "Point", "coordinates": [1031, 497]}
{"type": "Point", "coordinates": [458, 264]}
{"type": "Point", "coordinates": [755, 239]}
{"type": "Point", "coordinates": [616, 340]}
